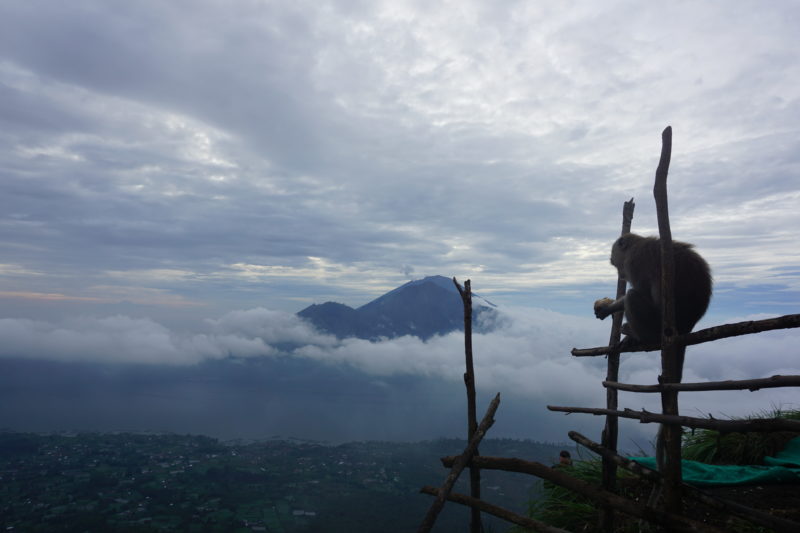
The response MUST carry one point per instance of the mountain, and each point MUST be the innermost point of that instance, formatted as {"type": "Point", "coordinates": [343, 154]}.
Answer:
{"type": "Point", "coordinates": [423, 308]}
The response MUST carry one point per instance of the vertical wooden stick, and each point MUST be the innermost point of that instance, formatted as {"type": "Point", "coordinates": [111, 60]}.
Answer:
{"type": "Point", "coordinates": [611, 430]}
{"type": "Point", "coordinates": [472, 419]}
{"type": "Point", "coordinates": [671, 434]}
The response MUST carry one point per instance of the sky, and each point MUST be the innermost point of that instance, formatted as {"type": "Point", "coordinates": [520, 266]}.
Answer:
{"type": "Point", "coordinates": [177, 179]}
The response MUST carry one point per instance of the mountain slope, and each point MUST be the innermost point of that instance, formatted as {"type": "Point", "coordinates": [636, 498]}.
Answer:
{"type": "Point", "coordinates": [423, 308]}
{"type": "Point", "coordinates": [331, 317]}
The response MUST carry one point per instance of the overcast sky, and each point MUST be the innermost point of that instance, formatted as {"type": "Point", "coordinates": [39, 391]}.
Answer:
{"type": "Point", "coordinates": [162, 163]}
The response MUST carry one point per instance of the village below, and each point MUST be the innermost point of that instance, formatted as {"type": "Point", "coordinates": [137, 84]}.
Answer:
{"type": "Point", "coordinates": [145, 483]}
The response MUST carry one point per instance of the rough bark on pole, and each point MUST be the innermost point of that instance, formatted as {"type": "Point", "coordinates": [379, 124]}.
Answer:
{"type": "Point", "coordinates": [469, 381]}
{"type": "Point", "coordinates": [715, 333]}
{"type": "Point", "coordinates": [611, 430]}
{"type": "Point", "coordinates": [459, 463]}
{"type": "Point", "coordinates": [670, 435]}
{"type": "Point", "coordinates": [742, 384]}
{"type": "Point", "coordinates": [755, 516]}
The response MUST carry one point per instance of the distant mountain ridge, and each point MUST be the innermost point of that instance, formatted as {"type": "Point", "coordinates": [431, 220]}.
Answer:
{"type": "Point", "coordinates": [422, 308]}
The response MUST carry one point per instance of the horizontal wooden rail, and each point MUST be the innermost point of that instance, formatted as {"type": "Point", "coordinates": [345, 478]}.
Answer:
{"type": "Point", "coordinates": [725, 426]}
{"type": "Point", "coordinates": [704, 335]}
{"type": "Point", "coordinates": [748, 384]}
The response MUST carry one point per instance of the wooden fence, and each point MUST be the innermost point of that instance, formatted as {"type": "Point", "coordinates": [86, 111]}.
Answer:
{"type": "Point", "coordinates": [670, 513]}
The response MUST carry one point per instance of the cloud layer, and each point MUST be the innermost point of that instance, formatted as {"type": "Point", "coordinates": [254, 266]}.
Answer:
{"type": "Point", "coordinates": [528, 356]}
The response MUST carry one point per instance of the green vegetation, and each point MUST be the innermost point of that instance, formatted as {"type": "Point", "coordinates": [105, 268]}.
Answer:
{"type": "Point", "coordinates": [565, 509]}
{"type": "Point", "coordinates": [709, 446]}
{"type": "Point", "coordinates": [146, 483]}
{"type": "Point", "coordinates": [562, 508]}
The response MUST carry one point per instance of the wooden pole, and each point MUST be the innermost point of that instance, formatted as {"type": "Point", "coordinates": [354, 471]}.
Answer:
{"type": "Point", "coordinates": [670, 435]}
{"type": "Point", "coordinates": [611, 430]}
{"type": "Point", "coordinates": [472, 422]}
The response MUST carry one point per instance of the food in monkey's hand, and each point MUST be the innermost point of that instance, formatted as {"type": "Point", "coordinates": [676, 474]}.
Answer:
{"type": "Point", "coordinates": [602, 303]}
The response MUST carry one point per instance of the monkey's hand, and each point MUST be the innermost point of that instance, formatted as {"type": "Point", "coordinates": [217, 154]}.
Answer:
{"type": "Point", "coordinates": [603, 307]}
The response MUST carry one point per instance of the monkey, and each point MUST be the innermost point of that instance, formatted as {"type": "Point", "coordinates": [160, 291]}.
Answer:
{"type": "Point", "coordinates": [638, 261]}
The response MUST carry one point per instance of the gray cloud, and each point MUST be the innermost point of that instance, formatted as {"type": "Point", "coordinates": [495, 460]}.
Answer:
{"type": "Point", "coordinates": [116, 339]}
{"type": "Point", "coordinates": [528, 357]}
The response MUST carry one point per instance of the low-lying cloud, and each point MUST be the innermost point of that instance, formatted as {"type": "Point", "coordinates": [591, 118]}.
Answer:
{"type": "Point", "coordinates": [114, 339]}
{"type": "Point", "coordinates": [527, 355]}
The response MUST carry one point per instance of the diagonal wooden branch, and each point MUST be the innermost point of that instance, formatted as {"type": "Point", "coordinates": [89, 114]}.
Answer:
{"type": "Point", "coordinates": [727, 426]}
{"type": "Point", "coordinates": [753, 515]}
{"type": "Point", "coordinates": [555, 475]}
{"type": "Point", "coordinates": [632, 466]}
{"type": "Point", "coordinates": [749, 384]}
{"type": "Point", "coordinates": [458, 466]}
{"type": "Point", "coordinates": [706, 335]}
{"type": "Point", "coordinates": [499, 512]}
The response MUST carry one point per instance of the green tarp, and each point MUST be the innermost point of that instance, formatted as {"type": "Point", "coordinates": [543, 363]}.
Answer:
{"type": "Point", "coordinates": [783, 468]}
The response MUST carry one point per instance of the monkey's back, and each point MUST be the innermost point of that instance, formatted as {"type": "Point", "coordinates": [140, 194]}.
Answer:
{"type": "Point", "coordinates": [693, 281]}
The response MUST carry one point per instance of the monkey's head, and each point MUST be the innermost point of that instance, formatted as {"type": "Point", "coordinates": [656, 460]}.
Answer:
{"type": "Point", "coordinates": [619, 251]}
